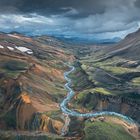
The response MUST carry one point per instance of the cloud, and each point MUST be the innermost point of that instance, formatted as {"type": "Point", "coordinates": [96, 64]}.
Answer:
{"type": "Point", "coordinates": [48, 7]}
{"type": "Point", "coordinates": [52, 7]}
{"type": "Point", "coordinates": [71, 18]}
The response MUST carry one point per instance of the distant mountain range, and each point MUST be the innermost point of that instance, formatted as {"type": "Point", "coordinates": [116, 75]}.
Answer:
{"type": "Point", "coordinates": [78, 40]}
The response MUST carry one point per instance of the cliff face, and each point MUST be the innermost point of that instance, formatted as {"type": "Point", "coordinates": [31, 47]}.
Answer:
{"type": "Point", "coordinates": [44, 123]}
{"type": "Point", "coordinates": [99, 102]}
{"type": "Point", "coordinates": [31, 84]}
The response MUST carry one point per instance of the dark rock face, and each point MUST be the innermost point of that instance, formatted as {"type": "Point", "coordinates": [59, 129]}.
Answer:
{"type": "Point", "coordinates": [121, 105]}
{"type": "Point", "coordinates": [129, 76]}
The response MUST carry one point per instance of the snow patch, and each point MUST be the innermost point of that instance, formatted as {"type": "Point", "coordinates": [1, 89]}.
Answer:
{"type": "Point", "coordinates": [10, 48]}
{"type": "Point", "coordinates": [29, 52]}
{"type": "Point", "coordinates": [24, 50]}
{"type": "Point", "coordinates": [1, 47]}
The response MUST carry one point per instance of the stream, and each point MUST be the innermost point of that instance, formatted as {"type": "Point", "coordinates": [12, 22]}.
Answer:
{"type": "Point", "coordinates": [71, 112]}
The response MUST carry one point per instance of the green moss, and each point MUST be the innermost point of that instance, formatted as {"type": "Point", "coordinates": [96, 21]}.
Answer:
{"type": "Point", "coordinates": [105, 131]}
{"type": "Point", "coordinates": [101, 91]}
{"type": "Point", "coordinates": [81, 99]}
{"type": "Point", "coordinates": [82, 95]}
{"type": "Point", "coordinates": [83, 66]}
{"type": "Point", "coordinates": [14, 65]}
{"type": "Point", "coordinates": [118, 70]}
{"type": "Point", "coordinates": [136, 81]}
{"type": "Point", "coordinates": [55, 115]}
{"type": "Point", "coordinates": [109, 65]}
{"type": "Point", "coordinates": [110, 62]}
{"type": "Point", "coordinates": [87, 98]}
{"type": "Point", "coordinates": [12, 68]}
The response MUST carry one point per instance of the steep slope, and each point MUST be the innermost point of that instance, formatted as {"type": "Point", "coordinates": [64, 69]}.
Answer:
{"type": "Point", "coordinates": [115, 73]}
{"type": "Point", "coordinates": [31, 84]}
{"type": "Point", "coordinates": [32, 87]}
{"type": "Point", "coordinates": [127, 48]}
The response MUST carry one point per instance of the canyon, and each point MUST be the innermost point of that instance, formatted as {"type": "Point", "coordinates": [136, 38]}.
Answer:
{"type": "Point", "coordinates": [32, 88]}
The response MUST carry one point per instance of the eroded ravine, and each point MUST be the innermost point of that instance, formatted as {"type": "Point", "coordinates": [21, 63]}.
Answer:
{"type": "Point", "coordinates": [70, 112]}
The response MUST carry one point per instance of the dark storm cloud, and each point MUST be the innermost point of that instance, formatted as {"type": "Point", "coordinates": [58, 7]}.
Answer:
{"type": "Point", "coordinates": [69, 8]}
{"type": "Point", "coordinates": [137, 3]}
{"type": "Point", "coordinates": [83, 7]}
{"type": "Point", "coordinates": [71, 17]}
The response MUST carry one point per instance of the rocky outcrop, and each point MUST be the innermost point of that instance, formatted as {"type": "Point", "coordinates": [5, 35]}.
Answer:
{"type": "Point", "coordinates": [23, 116]}
{"type": "Point", "coordinates": [24, 112]}
{"type": "Point", "coordinates": [41, 122]}
{"type": "Point", "coordinates": [126, 106]}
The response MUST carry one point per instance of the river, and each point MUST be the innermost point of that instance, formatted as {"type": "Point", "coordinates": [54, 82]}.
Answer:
{"type": "Point", "coordinates": [71, 112]}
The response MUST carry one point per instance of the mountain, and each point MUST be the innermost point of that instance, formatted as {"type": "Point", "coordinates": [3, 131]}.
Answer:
{"type": "Point", "coordinates": [87, 41]}
{"type": "Point", "coordinates": [106, 77]}
{"type": "Point", "coordinates": [127, 48]}
{"type": "Point", "coordinates": [115, 73]}
{"type": "Point", "coordinates": [31, 84]}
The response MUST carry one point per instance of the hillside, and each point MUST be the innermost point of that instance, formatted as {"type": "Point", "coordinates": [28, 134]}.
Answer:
{"type": "Point", "coordinates": [115, 73]}
{"type": "Point", "coordinates": [32, 88]}
{"type": "Point", "coordinates": [31, 84]}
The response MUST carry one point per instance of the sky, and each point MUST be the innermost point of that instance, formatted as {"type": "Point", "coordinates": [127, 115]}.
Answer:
{"type": "Point", "coordinates": [98, 19]}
